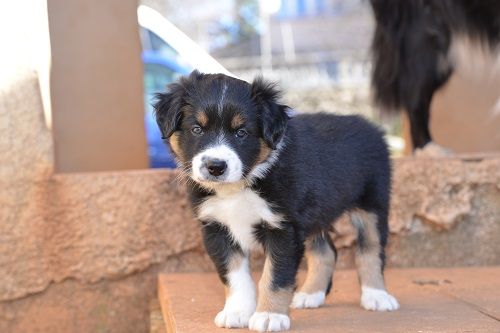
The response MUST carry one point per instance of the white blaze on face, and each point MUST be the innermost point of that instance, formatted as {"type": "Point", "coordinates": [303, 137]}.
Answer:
{"type": "Point", "coordinates": [221, 152]}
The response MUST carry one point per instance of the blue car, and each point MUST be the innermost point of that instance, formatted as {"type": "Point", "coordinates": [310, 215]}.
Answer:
{"type": "Point", "coordinates": [159, 71]}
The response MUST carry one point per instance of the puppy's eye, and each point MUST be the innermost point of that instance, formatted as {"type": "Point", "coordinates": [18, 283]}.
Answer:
{"type": "Point", "coordinates": [241, 133]}
{"type": "Point", "coordinates": [196, 130]}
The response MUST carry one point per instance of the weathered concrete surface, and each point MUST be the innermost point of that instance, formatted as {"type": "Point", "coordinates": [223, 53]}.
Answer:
{"type": "Point", "coordinates": [118, 304]}
{"type": "Point", "coordinates": [432, 300]}
{"type": "Point", "coordinates": [95, 226]}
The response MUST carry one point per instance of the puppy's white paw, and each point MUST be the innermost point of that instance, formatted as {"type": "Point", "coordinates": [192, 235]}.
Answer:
{"type": "Point", "coordinates": [232, 319]}
{"type": "Point", "coordinates": [303, 300]}
{"type": "Point", "coordinates": [269, 321]}
{"type": "Point", "coordinates": [378, 300]}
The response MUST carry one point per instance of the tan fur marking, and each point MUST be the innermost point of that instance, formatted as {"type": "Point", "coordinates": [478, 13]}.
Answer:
{"type": "Point", "coordinates": [237, 121]}
{"type": "Point", "coordinates": [202, 118]}
{"type": "Point", "coordinates": [367, 259]}
{"type": "Point", "coordinates": [277, 301]}
{"type": "Point", "coordinates": [320, 267]}
{"type": "Point", "coordinates": [265, 151]}
{"type": "Point", "coordinates": [174, 144]}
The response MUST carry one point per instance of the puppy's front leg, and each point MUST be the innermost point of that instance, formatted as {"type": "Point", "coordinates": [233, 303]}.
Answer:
{"type": "Point", "coordinates": [233, 267]}
{"type": "Point", "coordinates": [284, 250]}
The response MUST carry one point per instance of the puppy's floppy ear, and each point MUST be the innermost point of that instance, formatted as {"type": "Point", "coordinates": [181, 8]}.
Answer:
{"type": "Point", "coordinates": [167, 106]}
{"type": "Point", "coordinates": [272, 115]}
{"type": "Point", "coordinates": [167, 109]}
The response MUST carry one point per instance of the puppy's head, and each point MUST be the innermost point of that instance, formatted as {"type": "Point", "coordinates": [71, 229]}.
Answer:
{"type": "Point", "coordinates": [220, 128]}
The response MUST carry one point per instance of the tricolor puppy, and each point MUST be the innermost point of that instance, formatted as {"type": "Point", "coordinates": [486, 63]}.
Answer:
{"type": "Point", "coordinates": [260, 178]}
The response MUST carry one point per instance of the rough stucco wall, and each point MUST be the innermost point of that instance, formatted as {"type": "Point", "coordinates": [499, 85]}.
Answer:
{"type": "Point", "coordinates": [96, 226]}
{"type": "Point", "coordinates": [26, 152]}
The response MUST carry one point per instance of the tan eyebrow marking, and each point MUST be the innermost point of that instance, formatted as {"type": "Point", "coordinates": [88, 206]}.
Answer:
{"type": "Point", "coordinates": [202, 118]}
{"type": "Point", "coordinates": [237, 121]}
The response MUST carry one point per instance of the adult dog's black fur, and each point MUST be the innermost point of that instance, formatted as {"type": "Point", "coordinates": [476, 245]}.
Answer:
{"type": "Point", "coordinates": [411, 47]}
{"type": "Point", "coordinates": [257, 177]}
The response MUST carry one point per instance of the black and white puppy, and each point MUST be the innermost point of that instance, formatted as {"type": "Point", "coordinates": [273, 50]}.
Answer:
{"type": "Point", "coordinates": [259, 178]}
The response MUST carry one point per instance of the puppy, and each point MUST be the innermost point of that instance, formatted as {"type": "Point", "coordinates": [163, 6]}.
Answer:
{"type": "Point", "coordinates": [259, 178]}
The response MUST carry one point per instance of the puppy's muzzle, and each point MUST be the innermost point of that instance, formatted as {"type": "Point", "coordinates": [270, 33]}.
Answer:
{"type": "Point", "coordinates": [219, 164]}
{"type": "Point", "coordinates": [215, 167]}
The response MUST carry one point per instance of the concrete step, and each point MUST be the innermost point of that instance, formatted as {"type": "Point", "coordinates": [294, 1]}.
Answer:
{"type": "Point", "coordinates": [432, 300]}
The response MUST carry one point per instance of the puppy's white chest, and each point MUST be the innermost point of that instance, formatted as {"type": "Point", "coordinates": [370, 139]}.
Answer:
{"type": "Point", "coordinates": [240, 211]}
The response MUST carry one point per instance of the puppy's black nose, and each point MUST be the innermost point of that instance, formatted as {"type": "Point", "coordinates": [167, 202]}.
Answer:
{"type": "Point", "coordinates": [216, 167]}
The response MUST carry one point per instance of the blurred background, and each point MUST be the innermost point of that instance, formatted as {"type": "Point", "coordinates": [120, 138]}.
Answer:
{"type": "Point", "coordinates": [318, 51]}
{"type": "Point", "coordinates": [99, 64]}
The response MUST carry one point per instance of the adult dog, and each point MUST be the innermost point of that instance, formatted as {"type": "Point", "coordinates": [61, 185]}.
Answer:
{"type": "Point", "coordinates": [412, 51]}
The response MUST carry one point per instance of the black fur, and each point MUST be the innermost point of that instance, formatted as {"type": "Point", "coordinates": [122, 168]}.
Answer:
{"type": "Point", "coordinates": [328, 165]}
{"type": "Point", "coordinates": [219, 246]}
{"type": "Point", "coordinates": [274, 116]}
{"type": "Point", "coordinates": [410, 51]}
{"type": "Point", "coordinates": [285, 248]}
{"type": "Point", "coordinates": [168, 108]}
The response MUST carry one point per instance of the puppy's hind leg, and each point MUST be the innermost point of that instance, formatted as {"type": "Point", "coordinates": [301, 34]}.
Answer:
{"type": "Point", "coordinates": [372, 234]}
{"type": "Point", "coordinates": [321, 257]}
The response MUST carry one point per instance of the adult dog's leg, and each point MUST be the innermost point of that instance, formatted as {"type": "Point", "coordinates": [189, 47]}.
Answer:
{"type": "Point", "coordinates": [419, 123]}
{"type": "Point", "coordinates": [420, 133]}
